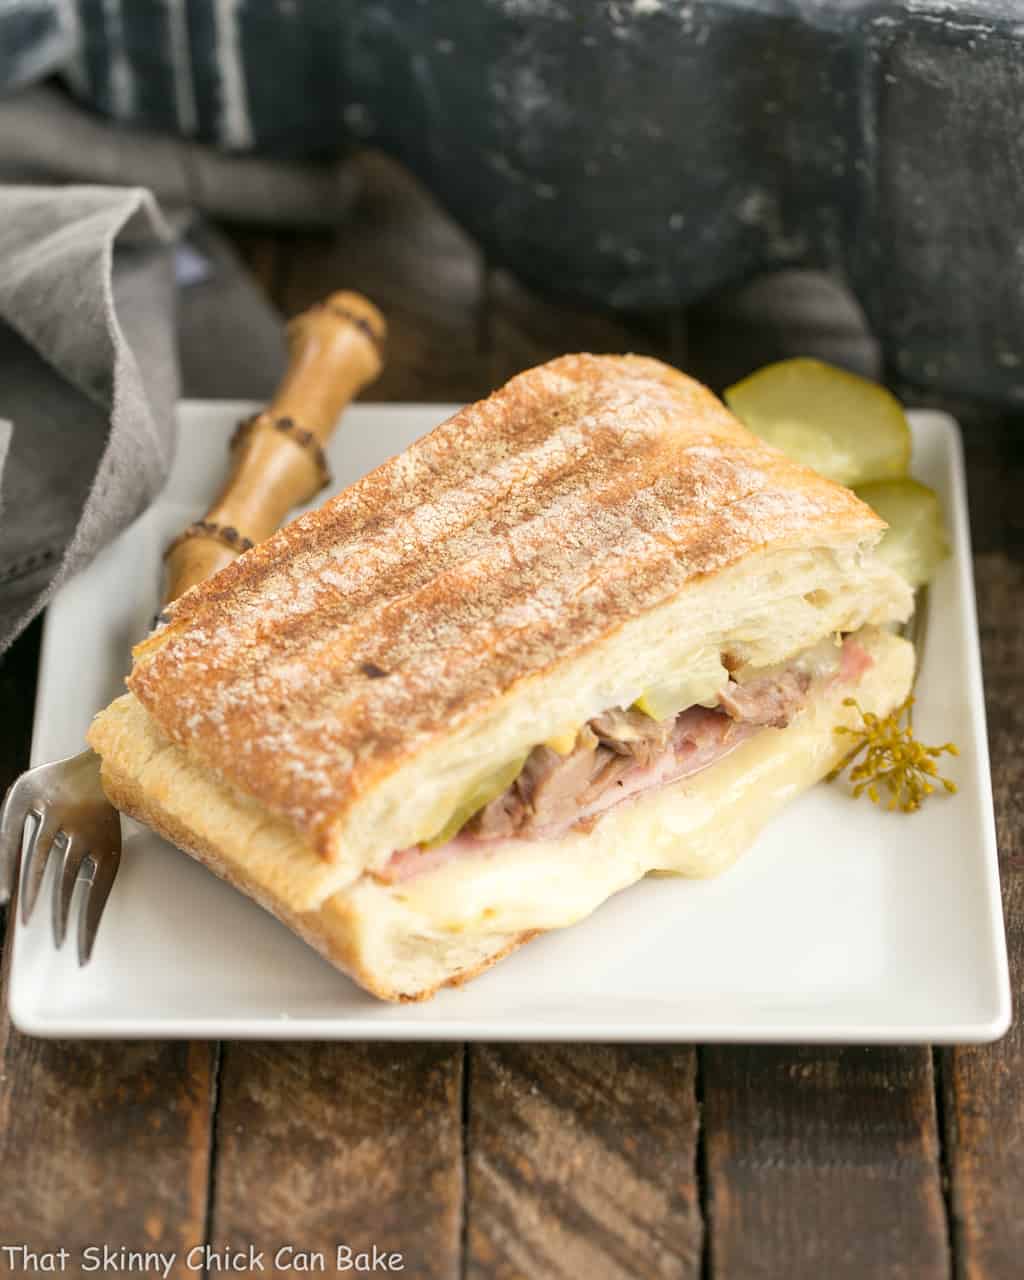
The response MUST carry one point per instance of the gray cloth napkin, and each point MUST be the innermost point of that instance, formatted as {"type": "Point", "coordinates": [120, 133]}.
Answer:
{"type": "Point", "coordinates": [45, 136]}
{"type": "Point", "coordinates": [89, 373]}
{"type": "Point", "coordinates": [95, 337]}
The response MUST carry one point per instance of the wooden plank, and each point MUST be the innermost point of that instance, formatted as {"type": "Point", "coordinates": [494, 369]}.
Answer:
{"type": "Point", "coordinates": [104, 1142]}
{"type": "Point", "coordinates": [984, 1112]}
{"type": "Point", "coordinates": [582, 1162]}
{"type": "Point", "coordinates": [984, 1084]}
{"type": "Point", "coordinates": [720, 342]}
{"type": "Point", "coordinates": [263, 253]}
{"type": "Point", "coordinates": [823, 1162]}
{"type": "Point", "coordinates": [447, 342]}
{"type": "Point", "coordinates": [818, 1161]}
{"type": "Point", "coordinates": [405, 254]}
{"type": "Point", "coordinates": [322, 1145]}
{"type": "Point", "coordinates": [581, 1159]}
{"type": "Point", "coordinates": [457, 329]}
{"type": "Point", "coordinates": [523, 329]}
{"type": "Point", "coordinates": [326, 1145]}
{"type": "Point", "coordinates": [98, 1142]}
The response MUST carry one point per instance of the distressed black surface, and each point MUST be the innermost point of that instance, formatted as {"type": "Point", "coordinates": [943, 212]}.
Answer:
{"type": "Point", "coordinates": [639, 153]}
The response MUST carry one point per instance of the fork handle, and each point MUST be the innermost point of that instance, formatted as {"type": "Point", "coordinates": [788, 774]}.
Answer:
{"type": "Point", "coordinates": [277, 457]}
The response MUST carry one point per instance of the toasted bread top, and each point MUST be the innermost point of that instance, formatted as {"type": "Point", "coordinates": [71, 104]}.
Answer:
{"type": "Point", "coordinates": [521, 531]}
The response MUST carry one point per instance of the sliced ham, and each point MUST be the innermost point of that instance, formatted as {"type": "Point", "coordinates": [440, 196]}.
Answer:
{"type": "Point", "coordinates": [854, 661]}
{"type": "Point", "coordinates": [620, 754]}
{"type": "Point", "coordinates": [705, 737]}
{"type": "Point", "coordinates": [414, 861]}
{"type": "Point", "coordinates": [699, 738]}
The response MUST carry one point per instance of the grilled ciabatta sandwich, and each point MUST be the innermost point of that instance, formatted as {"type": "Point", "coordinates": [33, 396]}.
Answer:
{"type": "Point", "coordinates": [587, 628]}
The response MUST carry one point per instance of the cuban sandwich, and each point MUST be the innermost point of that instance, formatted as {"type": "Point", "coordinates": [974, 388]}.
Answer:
{"type": "Point", "coordinates": [587, 629]}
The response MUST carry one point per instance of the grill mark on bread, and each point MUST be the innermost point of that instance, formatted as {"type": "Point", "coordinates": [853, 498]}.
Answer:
{"type": "Point", "coordinates": [632, 481]}
{"type": "Point", "coordinates": [393, 567]}
{"type": "Point", "coordinates": [395, 628]}
{"type": "Point", "coordinates": [477, 439]}
{"type": "Point", "coordinates": [425, 563]}
{"type": "Point", "coordinates": [474, 543]}
{"type": "Point", "coordinates": [531, 476]}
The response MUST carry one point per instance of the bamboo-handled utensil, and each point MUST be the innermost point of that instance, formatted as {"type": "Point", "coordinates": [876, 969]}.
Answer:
{"type": "Point", "coordinates": [277, 455]}
{"type": "Point", "coordinates": [277, 462]}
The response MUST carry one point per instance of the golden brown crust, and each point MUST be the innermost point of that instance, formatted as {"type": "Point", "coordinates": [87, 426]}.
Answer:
{"type": "Point", "coordinates": [513, 537]}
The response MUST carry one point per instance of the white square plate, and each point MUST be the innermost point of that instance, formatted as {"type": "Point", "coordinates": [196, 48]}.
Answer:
{"type": "Point", "coordinates": [844, 923]}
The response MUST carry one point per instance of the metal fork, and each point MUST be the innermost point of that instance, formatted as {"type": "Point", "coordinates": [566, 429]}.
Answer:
{"type": "Point", "coordinates": [60, 808]}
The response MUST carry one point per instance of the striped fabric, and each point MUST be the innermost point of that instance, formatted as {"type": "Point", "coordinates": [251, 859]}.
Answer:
{"type": "Point", "coordinates": [236, 73]}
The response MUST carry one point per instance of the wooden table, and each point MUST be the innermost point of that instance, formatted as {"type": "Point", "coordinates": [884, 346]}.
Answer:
{"type": "Point", "coordinates": [548, 1161]}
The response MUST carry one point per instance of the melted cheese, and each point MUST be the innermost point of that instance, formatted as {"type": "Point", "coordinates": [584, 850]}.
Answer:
{"type": "Point", "coordinates": [696, 827]}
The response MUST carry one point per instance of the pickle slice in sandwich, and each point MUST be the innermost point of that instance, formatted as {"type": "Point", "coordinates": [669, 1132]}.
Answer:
{"type": "Point", "coordinates": [699, 685]}
{"type": "Point", "coordinates": [479, 794]}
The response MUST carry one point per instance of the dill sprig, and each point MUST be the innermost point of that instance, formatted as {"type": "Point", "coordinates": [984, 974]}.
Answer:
{"type": "Point", "coordinates": [893, 759]}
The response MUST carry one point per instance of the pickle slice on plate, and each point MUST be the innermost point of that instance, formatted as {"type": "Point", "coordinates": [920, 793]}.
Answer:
{"type": "Point", "coordinates": [915, 543]}
{"type": "Point", "coordinates": [846, 427]}
{"type": "Point", "coordinates": [478, 794]}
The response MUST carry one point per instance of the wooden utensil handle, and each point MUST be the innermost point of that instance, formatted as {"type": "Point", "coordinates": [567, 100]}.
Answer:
{"type": "Point", "coordinates": [277, 458]}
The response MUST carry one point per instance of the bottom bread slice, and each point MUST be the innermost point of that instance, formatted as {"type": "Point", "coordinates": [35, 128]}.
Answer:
{"type": "Point", "coordinates": [404, 941]}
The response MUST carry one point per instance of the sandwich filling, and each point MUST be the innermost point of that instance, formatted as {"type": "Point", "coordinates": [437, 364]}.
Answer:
{"type": "Point", "coordinates": [569, 783]}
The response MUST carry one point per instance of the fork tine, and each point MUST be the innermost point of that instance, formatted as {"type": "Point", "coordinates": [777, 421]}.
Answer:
{"type": "Point", "coordinates": [100, 875]}
{"type": "Point", "coordinates": [71, 858]}
{"type": "Point", "coordinates": [35, 858]}
{"type": "Point", "coordinates": [12, 831]}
